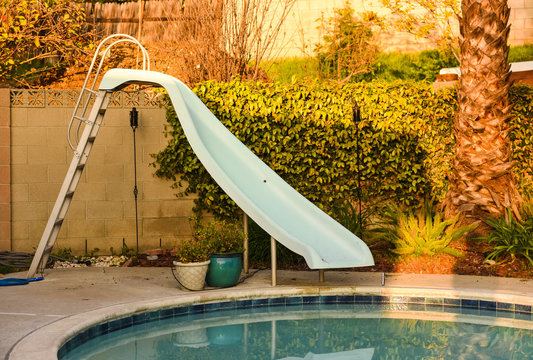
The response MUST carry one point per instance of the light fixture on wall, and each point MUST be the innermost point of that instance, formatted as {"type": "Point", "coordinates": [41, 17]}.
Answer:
{"type": "Point", "coordinates": [134, 123]}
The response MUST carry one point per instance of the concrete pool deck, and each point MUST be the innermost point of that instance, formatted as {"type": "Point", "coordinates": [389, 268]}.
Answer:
{"type": "Point", "coordinates": [37, 317]}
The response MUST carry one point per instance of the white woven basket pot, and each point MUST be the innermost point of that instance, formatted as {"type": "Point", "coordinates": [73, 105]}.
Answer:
{"type": "Point", "coordinates": [192, 275]}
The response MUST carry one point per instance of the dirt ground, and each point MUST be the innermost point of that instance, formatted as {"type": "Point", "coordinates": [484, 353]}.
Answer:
{"type": "Point", "coordinates": [473, 263]}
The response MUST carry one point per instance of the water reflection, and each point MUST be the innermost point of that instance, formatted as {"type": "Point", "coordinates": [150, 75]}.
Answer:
{"type": "Point", "coordinates": [311, 334]}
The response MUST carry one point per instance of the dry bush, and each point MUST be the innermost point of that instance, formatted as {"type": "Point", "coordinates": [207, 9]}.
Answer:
{"type": "Point", "coordinates": [218, 39]}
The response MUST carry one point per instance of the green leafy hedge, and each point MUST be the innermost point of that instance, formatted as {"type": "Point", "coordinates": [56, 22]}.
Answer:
{"type": "Point", "coordinates": [306, 134]}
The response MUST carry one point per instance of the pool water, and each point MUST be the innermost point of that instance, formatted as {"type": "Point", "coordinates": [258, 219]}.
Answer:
{"type": "Point", "coordinates": [316, 331]}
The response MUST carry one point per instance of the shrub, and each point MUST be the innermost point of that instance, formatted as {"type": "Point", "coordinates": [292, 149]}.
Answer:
{"type": "Point", "coordinates": [510, 236]}
{"type": "Point", "coordinates": [193, 250]}
{"type": "Point", "coordinates": [32, 31]}
{"type": "Point", "coordinates": [357, 220]}
{"type": "Point", "coordinates": [221, 236]}
{"type": "Point", "coordinates": [306, 135]}
{"type": "Point", "coordinates": [421, 232]}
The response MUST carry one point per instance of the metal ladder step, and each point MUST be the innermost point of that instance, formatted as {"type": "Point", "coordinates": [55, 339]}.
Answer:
{"type": "Point", "coordinates": [59, 211]}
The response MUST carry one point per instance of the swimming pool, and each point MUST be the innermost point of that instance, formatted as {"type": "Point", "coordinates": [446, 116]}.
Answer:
{"type": "Point", "coordinates": [332, 326]}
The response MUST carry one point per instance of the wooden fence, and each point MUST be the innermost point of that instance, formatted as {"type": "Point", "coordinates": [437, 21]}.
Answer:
{"type": "Point", "coordinates": [149, 21]}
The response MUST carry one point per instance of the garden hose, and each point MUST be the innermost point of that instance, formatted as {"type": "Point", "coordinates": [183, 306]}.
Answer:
{"type": "Point", "coordinates": [241, 279]}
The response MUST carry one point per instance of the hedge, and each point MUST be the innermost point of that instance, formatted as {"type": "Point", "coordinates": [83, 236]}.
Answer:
{"type": "Point", "coordinates": [306, 134]}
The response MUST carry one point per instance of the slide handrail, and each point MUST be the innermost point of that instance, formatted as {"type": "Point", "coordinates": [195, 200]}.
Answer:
{"type": "Point", "coordinates": [122, 38]}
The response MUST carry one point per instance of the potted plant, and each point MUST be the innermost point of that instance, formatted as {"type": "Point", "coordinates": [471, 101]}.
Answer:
{"type": "Point", "coordinates": [226, 246]}
{"type": "Point", "coordinates": [192, 260]}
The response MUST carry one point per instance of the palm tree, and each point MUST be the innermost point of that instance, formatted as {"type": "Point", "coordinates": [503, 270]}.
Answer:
{"type": "Point", "coordinates": [482, 182]}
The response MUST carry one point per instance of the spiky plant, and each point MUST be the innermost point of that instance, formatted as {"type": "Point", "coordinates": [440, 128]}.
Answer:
{"type": "Point", "coordinates": [421, 232]}
{"type": "Point", "coordinates": [510, 237]}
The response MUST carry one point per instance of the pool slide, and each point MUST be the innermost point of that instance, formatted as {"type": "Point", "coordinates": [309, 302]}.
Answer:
{"type": "Point", "coordinates": [272, 203]}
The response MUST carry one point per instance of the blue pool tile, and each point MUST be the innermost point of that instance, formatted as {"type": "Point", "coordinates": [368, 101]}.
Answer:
{"type": "Point", "coordinates": [212, 307]}
{"type": "Point", "coordinates": [139, 318]}
{"type": "Point", "coordinates": [153, 315]}
{"type": "Point", "coordinates": [183, 310]}
{"type": "Point", "coordinates": [502, 306]}
{"type": "Point", "coordinates": [329, 299]}
{"type": "Point", "coordinates": [522, 308]}
{"type": "Point", "coordinates": [259, 302]}
{"type": "Point", "coordinates": [363, 299]}
{"type": "Point", "coordinates": [120, 324]}
{"type": "Point", "coordinates": [197, 309]}
{"type": "Point", "coordinates": [227, 305]}
{"type": "Point", "coordinates": [104, 328]}
{"type": "Point", "coordinates": [276, 301]}
{"type": "Point", "coordinates": [95, 331]}
{"type": "Point", "coordinates": [346, 299]}
{"type": "Point", "coordinates": [416, 300]}
{"type": "Point", "coordinates": [296, 300]}
{"type": "Point", "coordinates": [452, 302]}
{"type": "Point", "coordinates": [487, 305]}
{"type": "Point", "coordinates": [62, 351]}
{"type": "Point", "coordinates": [434, 301]}
{"type": "Point", "coordinates": [167, 313]}
{"type": "Point", "coordinates": [244, 304]}
{"type": "Point", "coordinates": [470, 303]}
{"type": "Point", "coordinates": [310, 299]}
{"type": "Point", "coordinates": [380, 299]}
{"type": "Point", "coordinates": [82, 337]}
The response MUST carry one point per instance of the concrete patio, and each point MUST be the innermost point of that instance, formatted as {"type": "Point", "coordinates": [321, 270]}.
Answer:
{"type": "Point", "coordinates": [30, 314]}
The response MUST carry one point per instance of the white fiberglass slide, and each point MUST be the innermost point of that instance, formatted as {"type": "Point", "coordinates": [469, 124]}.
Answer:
{"type": "Point", "coordinates": [262, 194]}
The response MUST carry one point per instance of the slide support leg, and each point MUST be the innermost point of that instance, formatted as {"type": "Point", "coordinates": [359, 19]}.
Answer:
{"type": "Point", "coordinates": [321, 275]}
{"type": "Point", "coordinates": [245, 255]}
{"type": "Point", "coordinates": [273, 260]}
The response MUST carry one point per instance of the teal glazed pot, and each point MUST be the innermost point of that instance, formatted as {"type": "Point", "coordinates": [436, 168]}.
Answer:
{"type": "Point", "coordinates": [224, 270]}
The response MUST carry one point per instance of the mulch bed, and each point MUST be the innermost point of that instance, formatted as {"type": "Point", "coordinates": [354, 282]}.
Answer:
{"type": "Point", "coordinates": [473, 263]}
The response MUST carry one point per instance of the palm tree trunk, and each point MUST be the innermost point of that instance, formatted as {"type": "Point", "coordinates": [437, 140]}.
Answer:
{"type": "Point", "coordinates": [482, 182]}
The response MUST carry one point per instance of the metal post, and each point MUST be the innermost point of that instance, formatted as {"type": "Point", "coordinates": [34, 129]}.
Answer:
{"type": "Point", "coordinates": [273, 260]}
{"type": "Point", "coordinates": [321, 275]}
{"type": "Point", "coordinates": [134, 123]}
{"type": "Point", "coordinates": [356, 117]}
{"type": "Point", "coordinates": [245, 255]}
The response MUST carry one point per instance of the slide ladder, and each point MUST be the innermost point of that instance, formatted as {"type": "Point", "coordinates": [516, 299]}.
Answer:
{"type": "Point", "coordinates": [82, 145]}
{"type": "Point", "coordinates": [79, 160]}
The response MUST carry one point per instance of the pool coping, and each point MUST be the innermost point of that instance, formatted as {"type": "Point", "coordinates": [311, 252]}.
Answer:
{"type": "Point", "coordinates": [44, 343]}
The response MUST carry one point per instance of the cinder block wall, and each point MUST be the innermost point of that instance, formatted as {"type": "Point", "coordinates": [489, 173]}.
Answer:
{"type": "Point", "coordinates": [102, 211]}
{"type": "Point", "coordinates": [521, 19]}
{"type": "Point", "coordinates": [299, 33]}
{"type": "Point", "coordinates": [5, 171]}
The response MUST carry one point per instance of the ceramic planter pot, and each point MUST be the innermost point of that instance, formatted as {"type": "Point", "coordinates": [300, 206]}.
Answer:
{"type": "Point", "coordinates": [192, 275]}
{"type": "Point", "coordinates": [224, 270]}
